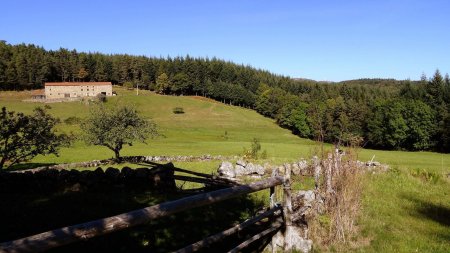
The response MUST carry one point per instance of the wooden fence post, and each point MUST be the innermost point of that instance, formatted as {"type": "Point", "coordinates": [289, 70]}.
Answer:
{"type": "Point", "coordinates": [272, 196]}
{"type": "Point", "coordinates": [317, 172]}
{"type": "Point", "coordinates": [287, 209]}
{"type": "Point", "coordinates": [272, 204]}
{"type": "Point", "coordinates": [273, 200]}
{"type": "Point", "coordinates": [329, 173]}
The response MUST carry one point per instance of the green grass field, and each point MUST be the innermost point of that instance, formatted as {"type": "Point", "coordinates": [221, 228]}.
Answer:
{"type": "Point", "coordinates": [206, 127]}
{"type": "Point", "coordinates": [404, 210]}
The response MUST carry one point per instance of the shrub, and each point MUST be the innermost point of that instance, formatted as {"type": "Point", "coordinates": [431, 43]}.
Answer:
{"type": "Point", "coordinates": [72, 120]}
{"type": "Point", "coordinates": [128, 85]}
{"type": "Point", "coordinates": [426, 176]}
{"type": "Point", "coordinates": [178, 110]}
{"type": "Point", "coordinates": [225, 135]}
{"type": "Point", "coordinates": [101, 98]}
{"type": "Point", "coordinates": [254, 152]}
{"type": "Point", "coordinates": [264, 154]}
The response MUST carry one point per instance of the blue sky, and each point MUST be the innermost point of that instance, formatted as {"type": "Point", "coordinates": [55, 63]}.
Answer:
{"type": "Point", "coordinates": [321, 40]}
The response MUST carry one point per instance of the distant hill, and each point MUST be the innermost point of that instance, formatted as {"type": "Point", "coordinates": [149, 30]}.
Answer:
{"type": "Point", "coordinates": [376, 81]}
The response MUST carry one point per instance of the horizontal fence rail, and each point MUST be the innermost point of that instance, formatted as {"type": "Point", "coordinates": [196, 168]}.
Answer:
{"type": "Point", "coordinates": [201, 180]}
{"type": "Point", "coordinates": [62, 236]}
{"type": "Point", "coordinates": [274, 227]}
{"type": "Point", "coordinates": [219, 236]}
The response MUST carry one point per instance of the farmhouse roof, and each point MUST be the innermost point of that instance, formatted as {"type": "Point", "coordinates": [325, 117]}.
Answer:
{"type": "Point", "coordinates": [78, 84]}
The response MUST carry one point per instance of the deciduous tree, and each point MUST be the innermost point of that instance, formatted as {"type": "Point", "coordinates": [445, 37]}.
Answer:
{"type": "Point", "coordinates": [299, 121]}
{"type": "Point", "coordinates": [23, 137]}
{"type": "Point", "coordinates": [163, 84]}
{"type": "Point", "coordinates": [116, 127]}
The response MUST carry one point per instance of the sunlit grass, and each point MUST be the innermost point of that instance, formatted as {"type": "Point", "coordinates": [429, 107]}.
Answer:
{"type": "Point", "coordinates": [403, 213]}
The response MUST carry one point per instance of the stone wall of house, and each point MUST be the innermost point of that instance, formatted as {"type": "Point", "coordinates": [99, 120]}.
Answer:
{"type": "Point", "coordinates": [53, 92]}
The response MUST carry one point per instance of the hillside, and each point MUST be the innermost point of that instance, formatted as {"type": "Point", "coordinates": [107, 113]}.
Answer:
{"type": "Point", "coordinates": [206, 127]}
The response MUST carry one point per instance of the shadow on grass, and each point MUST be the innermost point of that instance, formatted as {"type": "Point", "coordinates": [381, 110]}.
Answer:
{"type": "Point", "coordinates": [431, 211]}
{"type": "Point", "coordinates": [30, 212]}
{"type": "Point", "coordinates": [27, 166]}
{"type": "Point", "coordinates": [437, 213]}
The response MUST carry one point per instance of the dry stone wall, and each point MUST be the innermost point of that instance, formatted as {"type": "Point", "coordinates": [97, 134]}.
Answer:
{"type": "Point", "coordinates": [53, 180]}
{"type": "Point", "coordinates": [135, 159]}
{"type": "Point", "coordinates": [302, 167]}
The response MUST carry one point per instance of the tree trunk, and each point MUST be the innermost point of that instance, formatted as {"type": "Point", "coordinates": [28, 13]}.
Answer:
{"type": "Point", "coordinates": [2, 162]}
{"type": "Point", "coordinates": [287, 210]}
{"type": "Point", "coordinates": [117, 154]}
{"type": "Point", "coordinates": [329, 173]}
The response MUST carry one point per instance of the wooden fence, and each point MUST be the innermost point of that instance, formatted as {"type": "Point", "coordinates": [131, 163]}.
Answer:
{"type": "Point", "coordinates": [66, 235]}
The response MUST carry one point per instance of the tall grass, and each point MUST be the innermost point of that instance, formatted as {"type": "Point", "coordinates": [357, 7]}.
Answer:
{"type": "Point", "coordinates": [334, 225]}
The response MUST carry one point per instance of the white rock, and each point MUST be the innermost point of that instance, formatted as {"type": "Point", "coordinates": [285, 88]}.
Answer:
{"type": "Point", "coordinates": [239, 170]}
{"type": "Point", "coordinates": [226, 169]}
{"type": "Point", "coordinates": [260, 169]}
{"type": "Point", "coordinates": [241, 162]}
{"type": "Point", "coordinates": [308, 197]}
{"type": "Point", "coordinates": [295, 169]}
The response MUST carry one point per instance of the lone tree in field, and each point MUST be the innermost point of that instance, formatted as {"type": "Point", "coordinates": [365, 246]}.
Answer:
{"type": "Point", "coordinates": [23, 137]}
{"type": "Point", "coordinates": [115, 127]}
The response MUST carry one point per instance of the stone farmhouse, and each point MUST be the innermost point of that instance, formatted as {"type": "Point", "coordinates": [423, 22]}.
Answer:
{"type": "Point", "coordinates": [77, 89]}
